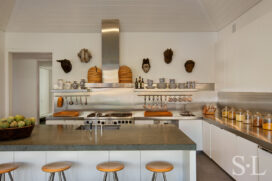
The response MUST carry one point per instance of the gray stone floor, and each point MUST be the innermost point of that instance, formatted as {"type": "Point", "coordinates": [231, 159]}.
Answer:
{"type": "Point", "coordinates": [207, 170]}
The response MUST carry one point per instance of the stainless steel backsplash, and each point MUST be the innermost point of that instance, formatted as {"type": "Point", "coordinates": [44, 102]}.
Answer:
{"type": "Point", "coordinates": [127, 99]}
{"type": "Point", "coordinates": [253, 101]}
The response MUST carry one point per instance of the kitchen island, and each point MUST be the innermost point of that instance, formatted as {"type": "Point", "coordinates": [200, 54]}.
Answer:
{"type": "Point", "coordinates": [134, 145]}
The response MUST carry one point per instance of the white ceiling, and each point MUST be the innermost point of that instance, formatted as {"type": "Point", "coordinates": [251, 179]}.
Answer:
{"type": "Point", "coordinates": [83, 16]}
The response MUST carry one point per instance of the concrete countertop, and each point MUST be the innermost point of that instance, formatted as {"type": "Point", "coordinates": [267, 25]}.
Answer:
{"type": "Point", "coordinates": [255, 134]}
{"type": "Point", "coordinates": [128, 137]}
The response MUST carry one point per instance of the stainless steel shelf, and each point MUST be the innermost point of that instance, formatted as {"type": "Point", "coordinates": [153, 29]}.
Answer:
{"type": "Point", "coordinates": [69, 90]}
{"type": "Point", "coordinates": [165, 90]}
{"type": "Point", "coordinates": [109, 85]}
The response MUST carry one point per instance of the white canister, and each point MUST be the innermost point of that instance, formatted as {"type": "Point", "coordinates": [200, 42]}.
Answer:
{"type": "Point", "coordinates": [60, 84]}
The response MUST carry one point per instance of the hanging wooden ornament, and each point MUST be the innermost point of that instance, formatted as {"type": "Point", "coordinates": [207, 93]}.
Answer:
{"type": "Point", "coordinates": [146, 65]}
{"type": "Point", "coordinates": [168, 55]}
{"type": "Point", "coordinates": [189, 66]}
{"type": "Point", "coordinates": [84, 55]}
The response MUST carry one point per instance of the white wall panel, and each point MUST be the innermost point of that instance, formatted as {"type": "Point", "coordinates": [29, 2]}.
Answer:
{"type": "Point", "coordinates": [30, 168]}
{"type": "Point", "coordinates": [246, 54]}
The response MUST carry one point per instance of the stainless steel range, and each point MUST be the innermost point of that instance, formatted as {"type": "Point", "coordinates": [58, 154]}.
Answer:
{"type": "Point", "coordinates": [111, 118]}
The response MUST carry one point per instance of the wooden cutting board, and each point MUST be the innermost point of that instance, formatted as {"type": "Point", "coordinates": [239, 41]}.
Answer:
{"type": "Point", "coordinates": [158, 114]}
{"type": "Point", "coordinates": [66, 114]}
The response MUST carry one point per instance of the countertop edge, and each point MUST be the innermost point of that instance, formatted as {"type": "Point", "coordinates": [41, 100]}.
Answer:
{"type": "Point", "coordinates": [189, 147]}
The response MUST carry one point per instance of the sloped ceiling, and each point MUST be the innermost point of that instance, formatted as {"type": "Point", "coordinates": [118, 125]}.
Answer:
{"type": "Point", "coordinates": [6, 7]}
{"type": "Point", "coordinates": [83, 16]}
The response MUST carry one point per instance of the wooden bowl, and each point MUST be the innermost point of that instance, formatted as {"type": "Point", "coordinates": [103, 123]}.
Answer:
{"type": "Point", "coordinates": [15, 133]}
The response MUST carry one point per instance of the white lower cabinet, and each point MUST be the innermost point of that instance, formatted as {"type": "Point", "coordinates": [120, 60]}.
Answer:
{"type": "Point", "coordinates": [265, 165]}
{"type": "Point", "coordinates": [206, 138]}
{"type": "Point", "coordinates": [193, 129]}
{"type": "Point", "coordinates": [216, 144]}
{"type": "Point", "coordinates": [247, 159]}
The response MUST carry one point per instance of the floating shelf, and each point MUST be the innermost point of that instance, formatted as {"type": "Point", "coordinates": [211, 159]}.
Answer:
{"type": "Point", "coordinates": [165, 90]}
{"type": "Point", "coordinates": [109, 85]}
{"type": "Point", "coordinates": [69, 90]}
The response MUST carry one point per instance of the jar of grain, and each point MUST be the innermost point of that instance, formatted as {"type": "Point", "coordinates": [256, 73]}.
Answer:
{"type": "Point", "coordinates": [258, 120]}
{"type": "Point", "coordinates": [248, 117]}
{"type": "Point", "coordinates": [267, 122]}
{"type": "Point", "coordinates": [240, 115]}
{"type": "Point", "coordinates": [225, 111]}
{"type": "Point", "coordinates": [231, 114]}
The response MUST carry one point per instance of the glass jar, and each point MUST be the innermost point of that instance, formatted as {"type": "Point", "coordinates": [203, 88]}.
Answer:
{"type": "Point", "coordinates": [231, 114]}
{"type": "Point", "coordinates": [225, 112]}
{"type": "Point", "coordinates": [248, 117]}
{"type": "Point", "coordinates": [240, 115]}
{"type": "Point", "coordinates": [267, 122]}
{"type": "Point", "coordinates": [258, 120]}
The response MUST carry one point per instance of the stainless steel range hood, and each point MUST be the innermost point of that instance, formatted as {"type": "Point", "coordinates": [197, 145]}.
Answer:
{"type": "Point", "coordinates": [110, 32]}
{"type": "Point", "coordinates": [110, 44]}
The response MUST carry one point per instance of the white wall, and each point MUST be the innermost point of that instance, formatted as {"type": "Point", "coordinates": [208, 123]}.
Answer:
{"type": "Point", "coordinates": [25, 87]}
{"type": "Point", "coordinates": [134, 47]}
{"type": "Point", "coordinates": [244, 58]}
{"type": "Point", "coordinates": [2, 43]}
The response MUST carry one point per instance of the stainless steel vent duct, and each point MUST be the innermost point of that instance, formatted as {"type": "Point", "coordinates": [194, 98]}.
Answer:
{"type": "Point", "coordinates": [110, 44]}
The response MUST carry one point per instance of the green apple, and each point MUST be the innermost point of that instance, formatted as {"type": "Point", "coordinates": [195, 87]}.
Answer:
{"type": "Point", "coordinates": [4, 124]}
{"type": "Point", "coordinates": [21, 124]}
{"type": "Point", "coordinates": [13, 124]}
{"type": "Point", "coordinates": [19, 118]}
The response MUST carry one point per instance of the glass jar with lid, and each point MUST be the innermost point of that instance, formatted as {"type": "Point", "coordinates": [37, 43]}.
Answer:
{"type": "Point", "coordinates": [258, 120]}
{"type": "Point", "coordinates": [240, 115]}
{"type": "Point", "coordinates": [248, 117]}
{"type": "Point", "coordinates": [231, 114]}
{"type": "Point", "coordinates": [267, 122]}
{"type": "Point", "coordinates": [225, 111]}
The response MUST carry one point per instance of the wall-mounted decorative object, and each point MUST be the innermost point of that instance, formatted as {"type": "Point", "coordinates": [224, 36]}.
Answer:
{"type": "Point", "coordinates": [189, 66]}
{"type": "Point", "coordinates": [168, 55]}
{"type": "Point", "coordinates": [84, 55]}
{"type": "Point", "coordinates": [146, 65]}
{"type": "Point", "coordinates": [66, 65]}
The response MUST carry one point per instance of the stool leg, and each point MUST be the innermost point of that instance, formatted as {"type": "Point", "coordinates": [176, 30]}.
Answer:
{"type": "Point", "coordinates": [4, 177]}
{"type": "Point", "coordinates": [60, 178]}
{"type": "Point", "coordinates": [10, 176]}
{"type": "Point", "coordinates": [154, 177]}
{"type": "Point", "coordinates": [115, 176]}
{"type": "Point", "coordinates": [0, 177]}
{"type": "Point", "coordinates": [63, 175]}
{"type": "Point", "coordinates": [105, 176]}
{"type": "Point", "coordinates": [164, 176]}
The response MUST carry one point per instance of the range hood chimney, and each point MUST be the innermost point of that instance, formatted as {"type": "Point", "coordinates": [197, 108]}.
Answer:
{"type": "Point", "coordinates": [110, 50]}
{"type": "Point", "coordinates": [110, 31]}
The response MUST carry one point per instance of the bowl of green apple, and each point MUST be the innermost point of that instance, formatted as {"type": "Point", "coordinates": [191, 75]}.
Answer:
{"type": "Point", "coordinates": [16, 127]}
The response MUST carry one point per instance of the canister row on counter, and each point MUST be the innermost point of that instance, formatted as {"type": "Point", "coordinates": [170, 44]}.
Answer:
{"type": "Point", "coordinates": [256, 119]}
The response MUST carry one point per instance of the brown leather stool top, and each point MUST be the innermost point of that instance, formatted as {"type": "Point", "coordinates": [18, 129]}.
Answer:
{"type": "Point", "coordinates": [8, 167]}
{"type": "Point", "coordinates": [57, 167]}
{"type": "Point", "coordinates": [110, 167]}
{"type": "Point", "coordinates": [159, 166]}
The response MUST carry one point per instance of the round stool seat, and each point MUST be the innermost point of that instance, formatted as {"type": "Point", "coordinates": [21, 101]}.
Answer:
{"type": "Point", "coordinates": [159, 166]}
{"type": "Point", "coordinates": [110, 167]}
{"type": "Point", "coordinates": [56, 167]}
{"type": "Point", "coordinates": [8, 167]}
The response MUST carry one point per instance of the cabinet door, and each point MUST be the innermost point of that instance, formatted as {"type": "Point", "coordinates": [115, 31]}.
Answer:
{"type": "Point", "coordinates": [227, 151]}
{"type": "Point", "coordinates": [216, 144]}
{"type": "Point", "coordinates": [246, 155]}
{"type": "Point", "coordinates": [206, 138]}
{"type": "Point", "coordinates": [265, 165]}
{"type": "Point", "coordinates": [193, 129]}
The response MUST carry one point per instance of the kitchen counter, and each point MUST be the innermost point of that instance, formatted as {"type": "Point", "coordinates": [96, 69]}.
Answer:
{"type": "Point", "coordinates": [136, 115]}
{"type": "Point", "coordinates": [128, 137]}
{"type": "Point", "coordinates": [247, 131]}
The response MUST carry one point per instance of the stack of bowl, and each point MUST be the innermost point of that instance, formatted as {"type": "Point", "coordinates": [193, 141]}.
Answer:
{"type": "Point", "coordinates": [95, 75]}
{"type": "Point", "coordinates": [125, 74]}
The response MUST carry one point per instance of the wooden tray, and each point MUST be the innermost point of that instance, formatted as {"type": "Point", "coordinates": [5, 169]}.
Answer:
{"type": "Point", "coordinates": [15, 133]}
{"type": "Point", "coordinates": [158, 114]}
{"type": "Point", "coordinates": [66, 114]}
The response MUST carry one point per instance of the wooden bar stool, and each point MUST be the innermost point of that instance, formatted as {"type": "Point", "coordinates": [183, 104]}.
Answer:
{"type": "Point", "coordinates": [7, 168]}
{"type": "Point", "coordinates": [159, 167]}
{"type": "Point", "coordinates": [109, 167]}
{"type": "Point", "coordinates": [57, 167]}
